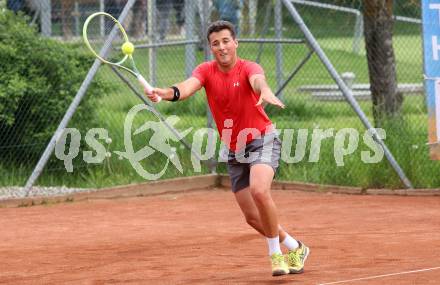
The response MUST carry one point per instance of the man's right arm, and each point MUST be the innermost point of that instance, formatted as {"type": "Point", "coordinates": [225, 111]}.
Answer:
{"type": "Point", "coordinates": [186, 88]}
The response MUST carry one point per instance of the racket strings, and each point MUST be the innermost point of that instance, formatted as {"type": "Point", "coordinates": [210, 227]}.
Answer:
{"type": "Point", "coordinates": [98, 31]}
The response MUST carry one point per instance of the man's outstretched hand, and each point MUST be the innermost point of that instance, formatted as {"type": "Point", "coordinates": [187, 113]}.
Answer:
{"type": "Point", "coordinates": [267, 96]}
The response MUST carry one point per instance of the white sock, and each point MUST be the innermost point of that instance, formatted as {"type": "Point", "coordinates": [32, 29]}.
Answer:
{"type": "Point", "coordinates": [290, 242]}
{"type": "Point", "coordinates": [274, 245]}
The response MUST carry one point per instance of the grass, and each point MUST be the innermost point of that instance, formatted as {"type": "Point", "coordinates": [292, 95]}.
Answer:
{"type": "Point", "coordinates": [405, 138]}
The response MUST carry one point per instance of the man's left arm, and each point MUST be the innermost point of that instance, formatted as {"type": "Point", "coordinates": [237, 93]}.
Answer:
{"type": "Point", "coordinates": [260, 86]}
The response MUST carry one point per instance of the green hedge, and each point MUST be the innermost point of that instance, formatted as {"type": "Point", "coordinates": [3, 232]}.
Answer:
{"type": "Point", "coordinates": [39, 78]}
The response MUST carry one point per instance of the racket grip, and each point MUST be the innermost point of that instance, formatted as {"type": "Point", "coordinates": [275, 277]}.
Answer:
{"type": "Point", "coordinates": [147, 86]}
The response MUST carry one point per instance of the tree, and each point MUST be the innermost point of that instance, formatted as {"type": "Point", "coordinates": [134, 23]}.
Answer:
{"type": "Point", "coordinates": [378, 32]}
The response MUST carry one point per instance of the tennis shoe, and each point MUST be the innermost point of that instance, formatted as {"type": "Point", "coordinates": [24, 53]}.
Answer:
{"type": "Point", "coordinates": [279, 266]}
{"type": "Point", "coordinates": [296, 258]}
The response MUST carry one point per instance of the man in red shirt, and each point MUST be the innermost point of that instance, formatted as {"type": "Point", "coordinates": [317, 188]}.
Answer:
{"type": "Point", "coordinates": [236, 89]}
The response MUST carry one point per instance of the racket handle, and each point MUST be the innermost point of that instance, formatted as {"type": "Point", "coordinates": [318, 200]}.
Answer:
{"type": "Point", "coordinates": [147, 86]}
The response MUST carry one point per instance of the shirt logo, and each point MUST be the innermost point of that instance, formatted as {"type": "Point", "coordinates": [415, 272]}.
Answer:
{"type": "Point", "coordinates": [236, 84]}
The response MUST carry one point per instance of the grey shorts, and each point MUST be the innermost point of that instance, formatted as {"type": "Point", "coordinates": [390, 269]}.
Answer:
{"type": "Point", "coordinates": [265, 150]}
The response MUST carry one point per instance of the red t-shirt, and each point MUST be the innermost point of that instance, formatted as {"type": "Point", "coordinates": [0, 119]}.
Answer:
{"type": "Point", "coordinates": [232, 101]}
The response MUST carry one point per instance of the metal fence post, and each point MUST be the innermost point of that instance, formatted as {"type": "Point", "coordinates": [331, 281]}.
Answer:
{"type": "Point", "coordinates": [190, 49]}
{"type": "Point", "coordinates": [358, 31]}
{"type": "Point", "coordinates": [152, 36]}
{"type": "Point", "coordinates": [278, 15]}
{"type": "Point", "coordinates": [46, 18]}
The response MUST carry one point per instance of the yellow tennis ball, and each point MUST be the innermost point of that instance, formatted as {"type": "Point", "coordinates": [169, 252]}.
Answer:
{"type": "Point", "coordinates": [127, 48]}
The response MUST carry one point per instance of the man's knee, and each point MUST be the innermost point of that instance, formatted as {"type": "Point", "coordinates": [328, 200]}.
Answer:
{"type": "Point", "coordinates": [260, 193]}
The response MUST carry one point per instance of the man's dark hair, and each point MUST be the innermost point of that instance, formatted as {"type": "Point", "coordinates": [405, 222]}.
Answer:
{"type": "Point", "coordinates": [218, 26]}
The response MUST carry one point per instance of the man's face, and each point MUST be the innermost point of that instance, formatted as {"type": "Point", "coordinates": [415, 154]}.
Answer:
{"type": "Point", "coordinates": [223, 47]}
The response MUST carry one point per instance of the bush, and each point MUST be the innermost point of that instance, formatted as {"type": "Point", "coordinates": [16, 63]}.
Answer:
{"type": "Point", "coordinates": [38, 80]}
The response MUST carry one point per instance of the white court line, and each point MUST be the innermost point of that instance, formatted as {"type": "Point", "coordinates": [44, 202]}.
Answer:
{"type": "Point", "coordinates": [380, 276]}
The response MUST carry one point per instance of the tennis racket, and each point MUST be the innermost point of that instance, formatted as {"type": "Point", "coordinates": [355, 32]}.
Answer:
{"type": "Point", "coordinates": [96, 28]}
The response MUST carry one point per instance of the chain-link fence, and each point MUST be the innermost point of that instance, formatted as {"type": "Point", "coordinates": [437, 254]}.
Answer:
{"type": "Point", "coordinates": [329, 142]}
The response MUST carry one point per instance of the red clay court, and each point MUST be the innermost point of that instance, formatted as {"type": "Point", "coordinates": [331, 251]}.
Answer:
{"type": "Point", "coordinates": [200, 237]}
